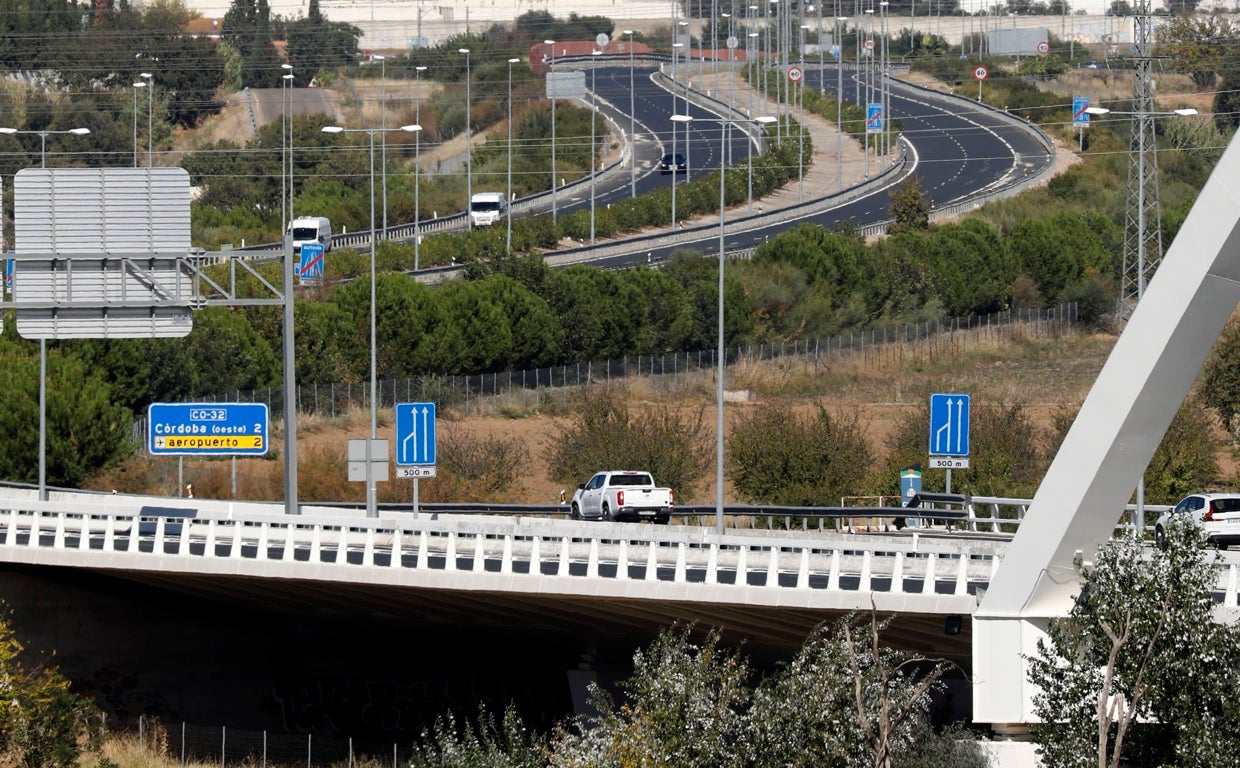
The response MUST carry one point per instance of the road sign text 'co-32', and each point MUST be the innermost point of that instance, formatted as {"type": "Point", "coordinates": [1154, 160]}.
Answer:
{"type": "Point", "coordinates": [213, 429]}
{"type": "Point", "coordinates": [949, 425]}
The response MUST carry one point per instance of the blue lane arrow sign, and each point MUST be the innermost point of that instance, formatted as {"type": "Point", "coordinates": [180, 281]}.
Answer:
{"type": "Point", "coordinates": [415, 434]}
{"type": "Point", "coordinates": [949, 425]}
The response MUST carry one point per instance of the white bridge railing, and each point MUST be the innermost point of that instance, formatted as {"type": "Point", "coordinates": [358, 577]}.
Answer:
{"type": "Point", "coordinates": [576, 556]}
{"type": "Point", "coordinates": [519, 554]}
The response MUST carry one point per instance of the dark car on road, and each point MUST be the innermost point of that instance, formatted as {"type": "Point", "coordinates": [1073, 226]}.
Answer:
{"type": "Point", "coordinates": [673, 162]}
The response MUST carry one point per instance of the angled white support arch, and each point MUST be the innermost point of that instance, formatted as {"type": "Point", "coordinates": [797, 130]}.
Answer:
{"type": "Point", "coordinates": [1121, 423]}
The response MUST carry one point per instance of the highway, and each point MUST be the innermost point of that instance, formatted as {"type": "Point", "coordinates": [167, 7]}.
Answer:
{"type": "Point", "coordinates": [960, 150]}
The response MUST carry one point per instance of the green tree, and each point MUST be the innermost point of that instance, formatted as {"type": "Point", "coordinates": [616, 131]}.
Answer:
{"type": "Point", "coordinates": [973, 270]}
{"type": "Point", "coordinates": [1139, 671]}
{"type": "Point", "coordinates": [909, 208]}
{"type": "Point", "coordinates": [684, 705]}
{"type": "Point", "coordinates": [43, 723]}
{"type": "Point", "coordinates": [1184, 461]}
{"type": "Point", "coordinates": [781, 457]}
{"type": "Point", "coordinates": [1198, 45]}
{"type": "Point", "coordinates": [1226, 105]}
{"type": "Point", "coordinates": [86, 430]}
{"type": "Point", "coordinates": [1220, 378]}
{"type": "Point", "coordinates": [316, 44]}
{"type": "Point", "coordinates": [504, 744]}
{"type": "Point", "coordinates": [603, 432]}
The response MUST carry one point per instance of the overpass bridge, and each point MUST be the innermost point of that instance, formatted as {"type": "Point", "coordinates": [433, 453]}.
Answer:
{"type": "Point", "coordinates": [766, 586]}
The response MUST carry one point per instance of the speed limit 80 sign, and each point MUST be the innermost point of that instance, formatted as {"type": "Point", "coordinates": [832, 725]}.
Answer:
{"type": "Point", "coordinates": [980, 73]}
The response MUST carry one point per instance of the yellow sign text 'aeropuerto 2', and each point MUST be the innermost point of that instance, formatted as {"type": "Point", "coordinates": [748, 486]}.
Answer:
{"type": "Point", "coordinates": [208, 442]}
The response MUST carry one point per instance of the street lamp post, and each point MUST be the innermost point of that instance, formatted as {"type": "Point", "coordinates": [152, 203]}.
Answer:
{"type": "Point", "coordinates": [508, 218]}
{"type": "Point", "coordinates": [551, 71]}
{"type": "Point", "coordinates": [136, 86]}
{"type": "Point", "coordinates": [839, 105]}
{"type": "Point", "coordinates": [724, 122]}
{"type": "Point", "coordinates": [800, 96]}
{"type": "Point", "coordinates": [749, 154]}
{"type": "Point", "coordinates": [674, 164]}
{"type": "Point", "coordinates": [371, 496]}
{"type": "Point", "coordinates": [286, 149]}
{"type": "Point", "coordinates": [632, 123]}
{"type": "Point", "coordinates": [150, 115]}
{"type": "Point", "coordinates": [469, 152]}
{"type": "Point", "coordinates": [593, 145]}
{"type": "Point", "coordinates": [43, 342]}
{"type": "Point", "coordinates": [417, 164]}
{"type": "Point", "coordinates": [383, 132]}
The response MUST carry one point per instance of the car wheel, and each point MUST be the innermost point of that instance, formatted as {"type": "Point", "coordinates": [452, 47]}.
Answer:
{"type": "Point", "coordinates": [576, 512]}
{"type": "Point", "coordinates": [1160, 537]}
{"type": "Point", "coordinates": [606, 512]}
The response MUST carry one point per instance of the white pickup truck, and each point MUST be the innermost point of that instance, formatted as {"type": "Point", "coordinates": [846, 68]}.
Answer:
{"type": "Point", "coordinates": [622, 495]}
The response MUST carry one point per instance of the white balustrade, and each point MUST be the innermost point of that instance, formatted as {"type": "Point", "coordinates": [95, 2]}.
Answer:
{"type": "Point", "coordinates": [519, 549]}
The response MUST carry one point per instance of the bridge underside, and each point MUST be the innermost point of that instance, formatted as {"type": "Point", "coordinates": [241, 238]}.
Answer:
{"type": "Point", "coordinates": [168, 635]}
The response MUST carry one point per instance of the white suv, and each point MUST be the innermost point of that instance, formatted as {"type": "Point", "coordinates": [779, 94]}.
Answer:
{"type": "Point", "coordinates": [1218, 514]}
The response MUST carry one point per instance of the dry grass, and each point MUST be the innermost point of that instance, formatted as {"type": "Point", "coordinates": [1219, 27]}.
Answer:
{"type": "Point", "coordinates": [1044, 372]}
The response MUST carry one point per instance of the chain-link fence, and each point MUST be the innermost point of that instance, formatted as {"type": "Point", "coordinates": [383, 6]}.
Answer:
{"type": "Point", "coordinates": [522, 390]}
{"type": "Point", "coordinates": [197, 746]}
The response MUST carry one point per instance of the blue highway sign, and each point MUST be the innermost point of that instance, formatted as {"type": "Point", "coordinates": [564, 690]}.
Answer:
{"type": "Point", "coordinates": [873, 118]}
{"type": "Point", "coordinates": [310, 267]}
{"type": "Point", "coordinates": [1079, 115]}
{"type": "Point", "coordinates": [415, 434]}
{"type": "Point", "coordinates": [949, 425]}
{"type": "Point", "coordinates": [212, 429]}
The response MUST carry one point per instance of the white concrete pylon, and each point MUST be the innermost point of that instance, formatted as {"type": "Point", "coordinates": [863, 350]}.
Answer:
{"type": "Point", "coordinates": [1119, 426]}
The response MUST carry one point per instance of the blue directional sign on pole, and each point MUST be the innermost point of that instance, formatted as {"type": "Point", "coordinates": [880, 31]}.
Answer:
{"type": "Point", "coordinates": [949, 425]}
{"type": "Point", "coordinates": [873, 118]}
{"type": "Point", "coordinates": [1079, 115]}
{"type": "Point", "coordinates": [310, 267]}
{"type": "Point", "coordinates": [415, 439]}
{"type": "Point", "coordinates": [212, 429]}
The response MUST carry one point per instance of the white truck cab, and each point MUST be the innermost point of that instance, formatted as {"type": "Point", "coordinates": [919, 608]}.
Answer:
{"type": "Point", "coordinates": [487, 208]}
{"type": "Point", "coordinates": [311, 229]}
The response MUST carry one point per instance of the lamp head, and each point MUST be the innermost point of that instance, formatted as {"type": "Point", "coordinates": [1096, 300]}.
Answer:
{"type": "Point", "coordinates": [419, 69]}
{"type": "Point", "coordinates": [514, 61]}
{"type": "Point", "coordinates": [286, 66]}
{"type": "Point", "coordinates": [7, 130]}
{"type": "Point", "coordinates": [463, 50]}
{"type": "Point", "coordinates": [332, 129]}
{"type": "Point", "coordinates": [145, 75]}
{"type": "Point", "coordinates": [1185, 112]}
{"type": "Point", "coordinates": [79, 131]}
{"type": "Point", "coordinates": [411, 128]}
{"type": "Point", "coordinates": [1096, 110]}
{"type": "Point", "coordinates": [682, 118]}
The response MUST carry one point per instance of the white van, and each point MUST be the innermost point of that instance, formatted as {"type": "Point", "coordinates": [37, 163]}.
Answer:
{"type": "Point", "coordinates": [311, 229]}
{"type": "Point", "coordinates": [487, 208]}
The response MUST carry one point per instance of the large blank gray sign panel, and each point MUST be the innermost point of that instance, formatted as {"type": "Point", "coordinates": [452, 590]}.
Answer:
{"type": "Point", "coordinates": [98, 253]}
